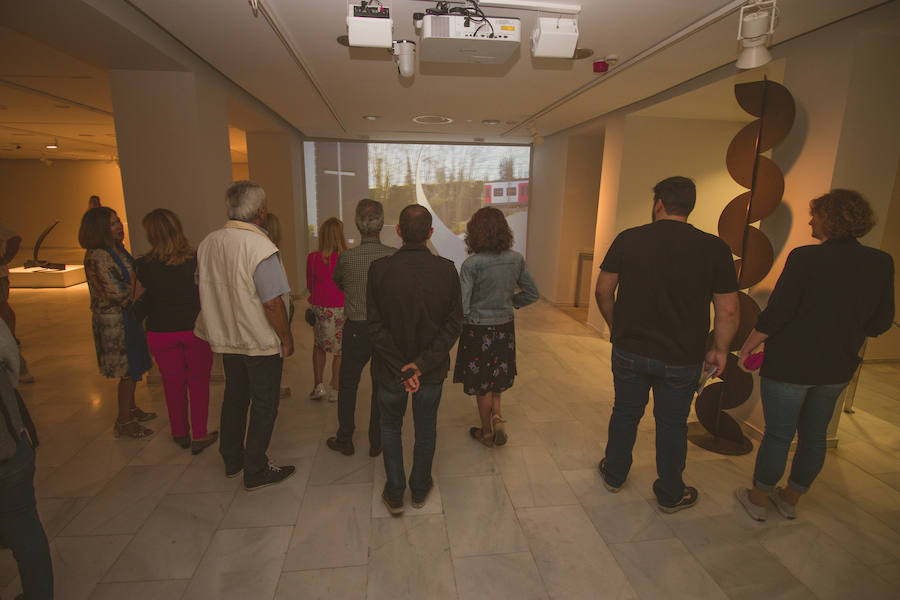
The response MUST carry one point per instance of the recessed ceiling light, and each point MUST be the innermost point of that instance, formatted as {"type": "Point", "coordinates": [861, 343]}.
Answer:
{"type": "Point", "coordinates": [490, 122]}
{"type": "Point", "coordinates": [54, 145]}
{"type": "Point", "coordinates": [432, 120]}
{"type": "Point", "coordinates": [371, 117]}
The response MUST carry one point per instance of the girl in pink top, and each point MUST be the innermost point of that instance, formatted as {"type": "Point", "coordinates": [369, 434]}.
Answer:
{"type": "Point", "coordinates": [327, 301]}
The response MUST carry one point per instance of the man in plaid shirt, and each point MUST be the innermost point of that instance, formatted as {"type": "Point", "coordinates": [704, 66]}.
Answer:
{"type": "Point", "coordinates": [350, 275]}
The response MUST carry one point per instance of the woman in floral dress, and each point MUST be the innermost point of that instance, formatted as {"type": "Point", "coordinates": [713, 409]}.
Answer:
{"type": "Point", "coordinates": [118, 337]}
{"type": "Point", "coordinates": [327, 301]}
{"type": "Point", "coordinates": [486, 356]}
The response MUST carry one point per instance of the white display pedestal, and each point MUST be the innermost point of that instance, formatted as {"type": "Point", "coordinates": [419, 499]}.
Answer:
{"type": "Point", "coordinates": [37, 277]}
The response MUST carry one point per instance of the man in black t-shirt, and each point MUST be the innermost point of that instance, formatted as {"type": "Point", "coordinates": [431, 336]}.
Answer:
{"type": "Point", "coordinates": [666, 273]}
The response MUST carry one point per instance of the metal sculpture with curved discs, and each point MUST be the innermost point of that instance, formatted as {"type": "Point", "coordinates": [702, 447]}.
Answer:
{"type": "Point", "coordinates": [773, 104]}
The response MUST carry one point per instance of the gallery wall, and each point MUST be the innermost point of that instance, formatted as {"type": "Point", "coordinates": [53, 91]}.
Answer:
{"type": "Point", "coordinates": [36, 194]}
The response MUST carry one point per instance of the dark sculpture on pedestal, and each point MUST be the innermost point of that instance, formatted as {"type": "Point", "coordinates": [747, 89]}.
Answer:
{"type": "Point", "coordinates": [774, 106]}
{"type": "Point", "coordinates": [43, 264]}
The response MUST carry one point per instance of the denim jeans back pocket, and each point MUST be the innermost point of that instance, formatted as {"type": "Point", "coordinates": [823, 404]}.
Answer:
{"type": "Point", "coordinates": [683, 377]}
{"type": "Point", "coordinates": [623, 368]}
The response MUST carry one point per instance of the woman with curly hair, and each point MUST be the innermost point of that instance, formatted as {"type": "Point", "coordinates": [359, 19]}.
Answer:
{"type": "Point", "coordinates": [327, 301]}
{"type": "Point", "coordinates": [171, 301]}
{"type": "Point", "coordinates": [829, 297]}
{"type": "Point", "coordinates": [486, 356]}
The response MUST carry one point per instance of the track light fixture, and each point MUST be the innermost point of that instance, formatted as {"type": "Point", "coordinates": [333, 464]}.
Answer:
{"type": "Point", "coordinates": [758, 20]}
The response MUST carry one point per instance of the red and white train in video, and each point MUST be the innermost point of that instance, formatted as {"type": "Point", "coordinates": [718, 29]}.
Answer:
{"type": "Point", "coordinates": [506, 193]}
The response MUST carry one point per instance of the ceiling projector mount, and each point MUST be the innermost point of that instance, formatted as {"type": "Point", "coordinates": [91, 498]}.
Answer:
{"type": "Point", "coordinates": [458, 31]}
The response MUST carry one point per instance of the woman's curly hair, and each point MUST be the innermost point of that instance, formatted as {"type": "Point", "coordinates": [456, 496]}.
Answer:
{"type": "Point", "coordinates": [488, 231]}
{"type": "Point", "coordinates": [844, 213]}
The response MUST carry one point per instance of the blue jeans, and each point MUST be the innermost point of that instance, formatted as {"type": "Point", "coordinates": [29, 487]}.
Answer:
{"type": "Point", "coordinates": [356, 351]}
{"type": "Point", "coordinates": [20, 526]}
{"type": "Point", "coordinates": [806, 409]}
{"type": "Point", "coordinates": [673, 391]}
{"type": "Point", "coordinates": [425, 404]}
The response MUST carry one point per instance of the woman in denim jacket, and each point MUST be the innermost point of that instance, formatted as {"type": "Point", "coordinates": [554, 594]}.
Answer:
{"type": "Point", "coordinates": [486, 357]}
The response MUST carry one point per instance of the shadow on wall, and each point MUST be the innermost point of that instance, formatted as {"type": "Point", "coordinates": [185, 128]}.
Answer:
{"type": "Point", "coordinates": [777, 227]}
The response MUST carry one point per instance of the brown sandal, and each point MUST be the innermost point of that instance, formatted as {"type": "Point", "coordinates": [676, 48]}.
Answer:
{"type": "Point", "coordinates": [132, 429]}
{"type": "Point", "coordinates": [141, 415]}
{"type": "Point", "coordinates": [477, 434]}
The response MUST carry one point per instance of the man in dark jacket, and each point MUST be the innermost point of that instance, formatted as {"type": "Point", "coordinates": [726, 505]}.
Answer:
{"type": "Point", "coordinates": [415, 315]}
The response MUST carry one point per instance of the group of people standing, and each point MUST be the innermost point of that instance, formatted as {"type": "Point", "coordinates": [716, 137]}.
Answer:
{"type": "Point", "coordinates": [405, 308]}
{"type": "Point", "coordinates": [654, 290]}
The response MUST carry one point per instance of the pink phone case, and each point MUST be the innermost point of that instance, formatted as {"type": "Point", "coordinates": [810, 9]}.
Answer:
{"type": "Point", "coordinates": [753, 361]}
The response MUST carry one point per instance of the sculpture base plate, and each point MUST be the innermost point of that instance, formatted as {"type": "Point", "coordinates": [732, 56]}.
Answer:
{"type": "Point", "coordinates": [699, 436]}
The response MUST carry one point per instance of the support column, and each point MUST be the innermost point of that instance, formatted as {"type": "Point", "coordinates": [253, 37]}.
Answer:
{"type": "Point", "coordinates": [276, 162]}
{"type": "Point", "coordinates": [172, 134]}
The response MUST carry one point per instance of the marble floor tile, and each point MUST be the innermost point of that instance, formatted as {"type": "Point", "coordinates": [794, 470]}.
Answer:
{"type": "Point", "coordinates": [457, 454]}
{"type": "Point", "coordinates": [823, 566]}
{"type": "Point", "coordinates": [346, 583]}
{"type": "Point", "coordinates": [162, 450]}
{"type": "Point", "coordinates": [206, 473]}
{"type": "Point", "coordinates": [173, 539]}
{"type": "Point", "coordinates": [466, 502]}
{"type": "Point", "coordinates": [241, 563]}
{"type": "Point", "coordinates": [125, 502]}
{"type": "Point", "coordinates": [57, 513]}
{"type": "Point", "coordinates": [891, 519]}
{"type": "Point", "coordinates": [80, 562]}
{"type": "Point", "coordinates": [572, 559]}
{"type": "Point", "coordinates": [409, 558]}
{"type": "Point", "coordinates": [269, 506]}
{"type": "Point", "coordinates": [92, 467]}
{"type": "Point", "coordinates": [868, 456]}
{"type": "Point", "coordinates": [532, 477]}
{"type": "Point", "coordinates": [141, 590]}
{"type": "Point", "coordinates": [332, 529]}
{"type": "Point", "coordinates": [572, 445]}
{"type": "Point", "coordinates": [499, 576]}
{"type": "Point", "coordinates": [892, 479]}
{"type": "Point", "coordinates": [665, 569]}
{"type": "Point", "coordinates": [330, 467]}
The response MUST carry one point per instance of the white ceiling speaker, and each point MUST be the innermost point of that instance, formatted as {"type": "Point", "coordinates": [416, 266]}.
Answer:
{"type": "Point", "coordinates": [554, 37]}
{"type": "Point", "coordinates": [755, 29]}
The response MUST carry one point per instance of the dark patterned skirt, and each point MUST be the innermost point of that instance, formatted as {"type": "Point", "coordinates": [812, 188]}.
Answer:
{"type": "Point", "coordinates": [486, 358]}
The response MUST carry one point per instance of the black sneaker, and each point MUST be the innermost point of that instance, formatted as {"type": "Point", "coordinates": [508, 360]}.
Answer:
{"type": "Point", "coordinates": [268, 476]}
{"type": "Point", "coordinates": [374, 450]}
{"type": "Point", "coordinates": [394, 505]}
{"type": "Point", "coordinates": [345, 448]}
{"type": "Point", "coordinates": [418, 500]}
{"type": "Point", "coordinates": [688, 499]}
{"type": "Point", "coordinates": [234, 469]}
{"type": "Point", "coordinates": [604, 476]}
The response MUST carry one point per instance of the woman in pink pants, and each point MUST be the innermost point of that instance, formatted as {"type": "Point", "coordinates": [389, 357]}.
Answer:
{"type": "Point", "coordinates": [171, 302]}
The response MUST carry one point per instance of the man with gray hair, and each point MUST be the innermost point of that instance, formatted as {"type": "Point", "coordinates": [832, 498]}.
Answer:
{"type": "Point", "coordinates": [351, 275]}
{"type": "Point", "coordinates": [244, 295]}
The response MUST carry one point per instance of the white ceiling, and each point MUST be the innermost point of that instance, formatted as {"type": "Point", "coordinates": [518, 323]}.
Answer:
{"type": "Point", "coordinates": [335, 86]}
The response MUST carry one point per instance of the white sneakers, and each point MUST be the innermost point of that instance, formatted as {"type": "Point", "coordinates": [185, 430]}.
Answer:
{"type": "Point", "coordinates": [320, 391]}
{"type": "Point", "coordinates": [757, 512]}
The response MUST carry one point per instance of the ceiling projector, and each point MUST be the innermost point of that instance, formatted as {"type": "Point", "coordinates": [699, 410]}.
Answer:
{"type": "Point", "coordinates": [461, 39]}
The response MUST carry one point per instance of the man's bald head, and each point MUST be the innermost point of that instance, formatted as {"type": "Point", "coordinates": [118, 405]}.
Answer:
{"type": "Point", "coordinates": [415, 224]}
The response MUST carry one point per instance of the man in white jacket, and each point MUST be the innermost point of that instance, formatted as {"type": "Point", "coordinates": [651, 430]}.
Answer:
{"type": "Point", "coordinates": [243, 315]}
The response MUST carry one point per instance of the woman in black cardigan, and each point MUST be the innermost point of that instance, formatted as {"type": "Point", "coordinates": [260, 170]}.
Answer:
{"type": "Point", "coordinates": [829, 297]}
